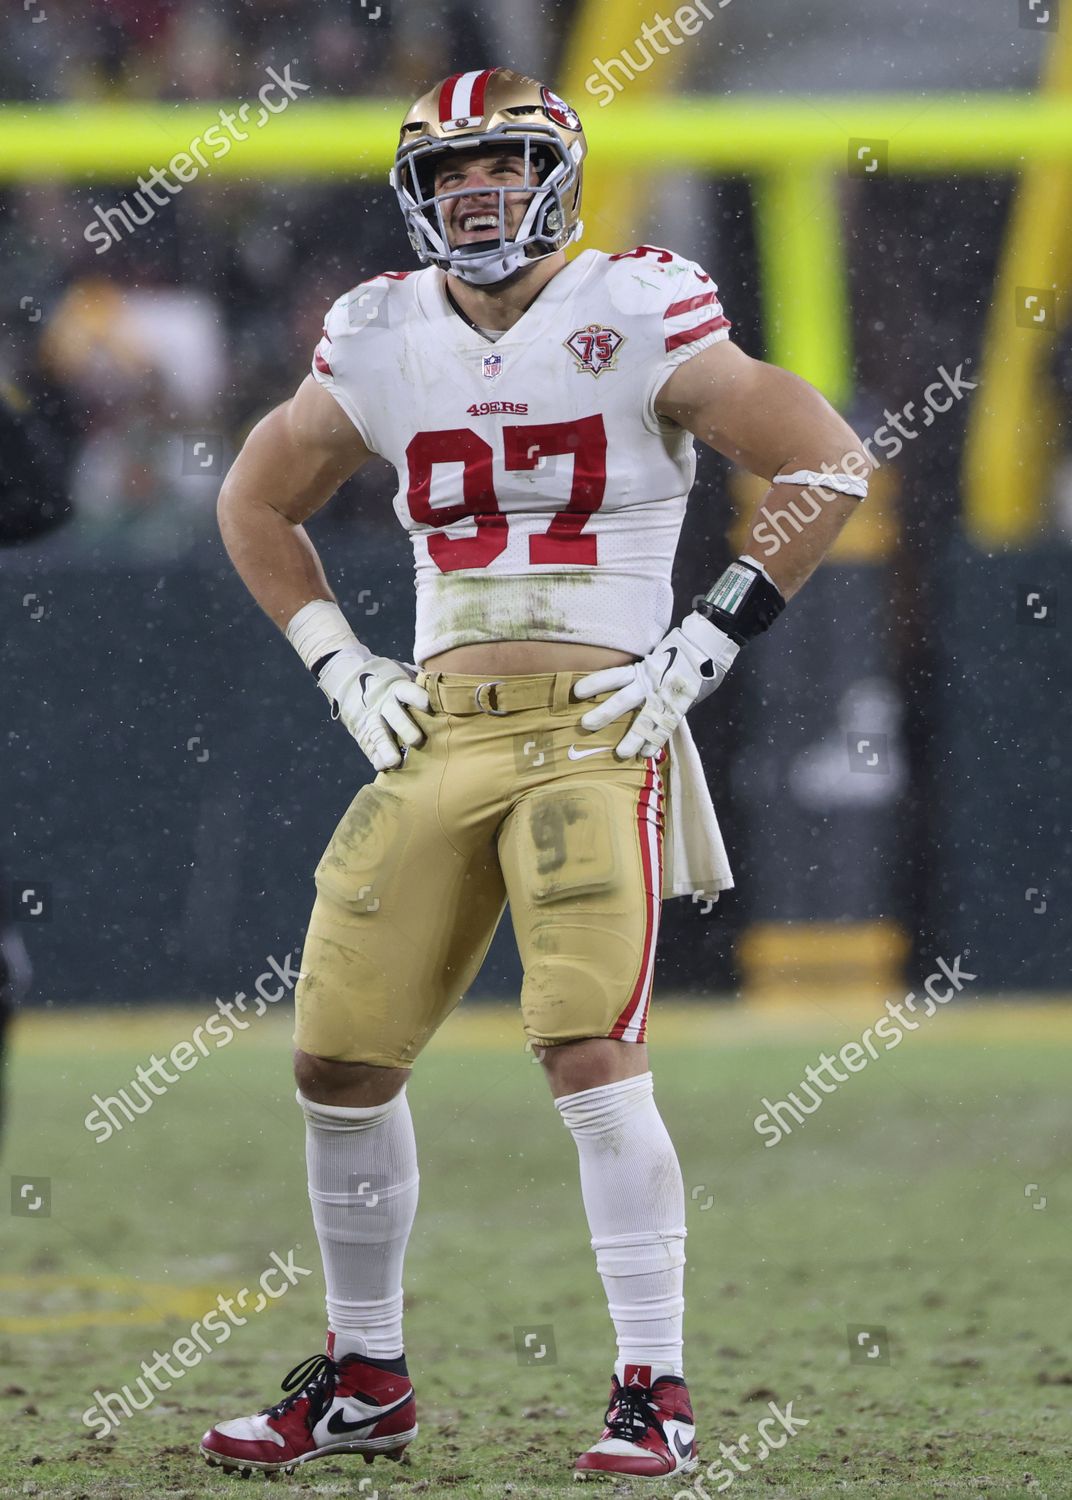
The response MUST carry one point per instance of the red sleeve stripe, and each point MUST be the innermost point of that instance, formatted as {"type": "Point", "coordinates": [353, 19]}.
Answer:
{"type": "Point", "coordinates": [692, 334]}
{"type": "Point", "coordinates": [321, 364]}
{"type": "Point", "coordinates": [704, 299]}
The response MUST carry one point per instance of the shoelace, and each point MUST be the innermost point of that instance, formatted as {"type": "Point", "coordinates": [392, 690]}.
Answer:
{"type": "Point", "coordinates": [314, 1378]}
{"type": "Point", "coordinates": [631, 1413]}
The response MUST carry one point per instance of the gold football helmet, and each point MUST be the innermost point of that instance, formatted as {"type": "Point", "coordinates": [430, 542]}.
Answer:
{"type": "Point", "coordinates": [485, 109]}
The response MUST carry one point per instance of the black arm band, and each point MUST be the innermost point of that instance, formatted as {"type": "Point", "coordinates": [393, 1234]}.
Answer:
{"type": "Point", "coordinates": [743, 602]}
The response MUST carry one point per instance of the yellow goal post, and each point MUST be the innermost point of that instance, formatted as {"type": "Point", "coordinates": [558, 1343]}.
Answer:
{"type": "Point", "coordinates": [796, 150]}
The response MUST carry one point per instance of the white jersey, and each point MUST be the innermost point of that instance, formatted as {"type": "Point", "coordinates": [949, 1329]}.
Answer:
{"type": "Point", "coordinates": [543, 495]}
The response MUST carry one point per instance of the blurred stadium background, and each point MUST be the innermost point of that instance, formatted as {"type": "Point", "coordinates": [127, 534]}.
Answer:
{"type": "Point", "coordinates": [884, 195]}
{"type": "Point", "coordinates": [879, 196]}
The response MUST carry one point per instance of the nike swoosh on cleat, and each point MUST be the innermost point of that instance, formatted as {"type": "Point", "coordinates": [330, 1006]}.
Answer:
{"type": "Point", "coordinates": [685, 1452]}
{"type": "Point", "coordinates": [574, 754]}
{"type": "Point", "coordinates": [338, 1424]}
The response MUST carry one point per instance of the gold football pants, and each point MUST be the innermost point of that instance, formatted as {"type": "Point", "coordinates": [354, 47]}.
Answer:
{"type": "Point", "coordinates": [507, 800]}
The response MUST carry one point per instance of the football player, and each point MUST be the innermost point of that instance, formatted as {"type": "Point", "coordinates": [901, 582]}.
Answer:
{"type": "Point", "coordinates": [540, 415]}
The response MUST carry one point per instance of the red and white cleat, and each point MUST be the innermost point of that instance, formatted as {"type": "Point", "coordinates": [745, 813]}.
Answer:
{"type": "Point", "coordinates": [357, 1405]}
{"type": "Point", "coordinates": [650, 1431]}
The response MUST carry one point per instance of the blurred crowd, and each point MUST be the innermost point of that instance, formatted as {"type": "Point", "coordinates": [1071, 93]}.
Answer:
{"type": "Point", "coordinates": [149, 363]}
{"type": "Point", "coordinates": [156, 358]}
{"type": "Point", "coordinates": [153, 360]}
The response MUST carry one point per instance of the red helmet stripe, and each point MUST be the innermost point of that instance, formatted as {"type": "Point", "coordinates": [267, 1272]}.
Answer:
{"type": "Point", "coordinates": [462, 97]}
{"type": "Point", "coordinates": [446, 97]}
{"type": "Point", "coordinates": [480, 88]}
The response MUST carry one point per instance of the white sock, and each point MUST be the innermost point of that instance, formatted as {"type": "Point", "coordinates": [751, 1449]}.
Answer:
{"type": "Point", "coordinates": [363, 1189]}
{"type": "Point", "coordinates": [635, 1201]}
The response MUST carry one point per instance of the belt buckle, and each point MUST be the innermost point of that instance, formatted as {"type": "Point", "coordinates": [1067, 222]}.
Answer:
{"type": "Point", "coordinates": [490, 709]}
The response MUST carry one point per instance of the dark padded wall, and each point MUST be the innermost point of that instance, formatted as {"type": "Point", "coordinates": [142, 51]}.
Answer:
{"type": "Point", "coordinates": [169, 776]}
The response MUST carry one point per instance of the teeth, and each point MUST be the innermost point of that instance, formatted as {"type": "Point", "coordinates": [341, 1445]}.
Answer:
{"type": "Point", "coordinates": [480, 221]}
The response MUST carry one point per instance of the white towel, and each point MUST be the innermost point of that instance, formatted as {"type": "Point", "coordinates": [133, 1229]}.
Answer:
{"type": "Point", "coordinates": [695, 862]}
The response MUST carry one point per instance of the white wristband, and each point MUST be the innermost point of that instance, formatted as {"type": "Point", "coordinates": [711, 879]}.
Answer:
{"type": "Point", "coordinates": [320, 628]}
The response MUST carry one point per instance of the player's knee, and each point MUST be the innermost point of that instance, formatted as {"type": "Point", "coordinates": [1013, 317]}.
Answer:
{"type": "Point", "coordinates": [355, 1085]}
{"type": "Point", "coordinates": [590, 1063]}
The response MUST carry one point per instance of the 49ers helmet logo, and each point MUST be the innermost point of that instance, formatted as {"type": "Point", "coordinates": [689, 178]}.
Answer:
{"type": "Point", "coordinates": [559, 110]}
{"type": "Point", "coordinates": [595, 348]}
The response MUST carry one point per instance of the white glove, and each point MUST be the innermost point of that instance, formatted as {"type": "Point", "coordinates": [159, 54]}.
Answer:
{"type": "Point", "coordinates": [368, 694]}
{"type": "Point", "coordinates": [684, 668]}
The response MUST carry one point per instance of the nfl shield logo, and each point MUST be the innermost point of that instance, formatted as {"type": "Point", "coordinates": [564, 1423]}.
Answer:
{"type": "Point", "coordinates": [492, 366]}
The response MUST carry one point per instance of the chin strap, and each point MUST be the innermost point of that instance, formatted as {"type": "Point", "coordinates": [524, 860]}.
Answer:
{"type": "Point", "coordinates": [488, 267]}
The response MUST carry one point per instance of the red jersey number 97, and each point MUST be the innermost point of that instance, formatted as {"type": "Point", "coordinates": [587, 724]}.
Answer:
{"type": "Point", "coordinates": [564, 541]}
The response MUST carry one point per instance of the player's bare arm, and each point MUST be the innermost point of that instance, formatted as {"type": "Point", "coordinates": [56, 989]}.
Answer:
{"type": "Point", "coordinates": [289, 467]}
{"type": "Point", "coordinates": [781, 428]}
{"type": "Point", "coordinates": [292, 463]}
{"type": "Point", "coordinates": [774, 424]}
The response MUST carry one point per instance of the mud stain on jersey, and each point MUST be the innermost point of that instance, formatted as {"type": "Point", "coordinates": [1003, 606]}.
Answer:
{"type": "Point", "coordinates": [515, 607]}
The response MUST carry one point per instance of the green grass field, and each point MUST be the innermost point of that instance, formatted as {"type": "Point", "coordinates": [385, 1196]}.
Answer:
{"type": "Point", "coordinates": [906, 1203]}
